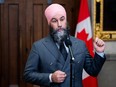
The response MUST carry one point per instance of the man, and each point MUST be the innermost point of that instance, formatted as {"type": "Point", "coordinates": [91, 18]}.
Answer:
{"type": "Point", "coordinates": [47, 66]}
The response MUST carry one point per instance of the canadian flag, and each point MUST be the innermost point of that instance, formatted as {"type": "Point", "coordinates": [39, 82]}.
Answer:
{"type": "Point", "coordinates": [84, 32]}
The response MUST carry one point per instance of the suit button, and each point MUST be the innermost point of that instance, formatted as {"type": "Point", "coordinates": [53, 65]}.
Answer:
{"type": "Point", "coordinates": [73, 77]}
{"type": "Point", "coordinates": [51, 63]}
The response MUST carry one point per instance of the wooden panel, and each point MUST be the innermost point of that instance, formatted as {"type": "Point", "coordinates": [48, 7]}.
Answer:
{"type": "Point", "coordinates": [4, 47]}
{"type": "Point", "coordinates": [38, 21]}
{"type": "Point", "coordinates": [0, 47]}
{"type": "Point", "coordinates": [22, 43]}
{"type": "Point", "coordinates": [29, 25]}
{"type": "Point", "coordinates": [35, 22]}
{"type": "Point", "coordinates": [12, 45]}
{"type": "Point", "coordinates": [13, 42]}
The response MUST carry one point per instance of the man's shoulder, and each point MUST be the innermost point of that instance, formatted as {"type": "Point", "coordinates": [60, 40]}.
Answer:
{"type": "Point", "coordinates": [40, 41]}
{"type": "Point", "coordinates": [78, 43]}
{"type": "Point", "coordinates": [76, 39]}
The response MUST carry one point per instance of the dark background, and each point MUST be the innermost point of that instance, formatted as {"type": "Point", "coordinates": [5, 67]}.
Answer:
{"type": "Point", "coordinates": [109, 15]}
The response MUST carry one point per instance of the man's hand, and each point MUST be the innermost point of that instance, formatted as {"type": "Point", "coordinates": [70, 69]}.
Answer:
{"type": "Point", "coordinates": [99, 45]}
{"type": "Point", "coordinates": [58, 76]}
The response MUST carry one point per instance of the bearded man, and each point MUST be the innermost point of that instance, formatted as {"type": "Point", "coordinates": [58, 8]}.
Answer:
{"type": "Point", "coordinates": [48, 64]}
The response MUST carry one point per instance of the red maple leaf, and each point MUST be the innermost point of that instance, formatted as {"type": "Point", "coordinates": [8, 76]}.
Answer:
{"type": "Point", "coordinates": [89, 43]}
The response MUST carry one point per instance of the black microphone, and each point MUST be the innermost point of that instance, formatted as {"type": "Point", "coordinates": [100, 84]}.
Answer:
{"type": "Point", "coordinates": [69, 44]}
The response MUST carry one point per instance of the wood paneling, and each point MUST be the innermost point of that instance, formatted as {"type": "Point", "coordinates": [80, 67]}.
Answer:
{"type": "Point", "coordinates": [37, 21]}
{"type": "Point", "coordinates": [13, 40]}
{"type": "Point", "coordinates": [0, 48]}
{"type": "Point", "coordinates": [4, 47]}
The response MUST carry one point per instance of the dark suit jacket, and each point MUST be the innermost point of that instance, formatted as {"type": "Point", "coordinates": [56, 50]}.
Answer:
{"type": "Point", "coordinates": [45, 58]}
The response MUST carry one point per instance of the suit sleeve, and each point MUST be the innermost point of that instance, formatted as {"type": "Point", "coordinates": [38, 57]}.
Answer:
{"type": "Point", "coordinates": [93, 65]}
{"type": "Point", "coordinates": [32, 73]}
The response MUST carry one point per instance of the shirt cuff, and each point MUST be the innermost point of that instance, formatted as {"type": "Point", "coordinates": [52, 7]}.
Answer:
{"type": "Point", "coordinates": [100, 54]}
{"type": "Point", "coordinates": [50, 77]}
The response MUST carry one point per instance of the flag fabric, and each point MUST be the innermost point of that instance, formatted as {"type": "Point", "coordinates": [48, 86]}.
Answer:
{"type": "Point", "coordinates": [84, 32]}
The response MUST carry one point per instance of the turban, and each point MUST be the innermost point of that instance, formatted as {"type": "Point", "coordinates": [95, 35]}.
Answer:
{"type": "Point", "coordinates": [54, 9]}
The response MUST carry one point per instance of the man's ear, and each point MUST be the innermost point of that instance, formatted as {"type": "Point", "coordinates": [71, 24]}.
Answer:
{"type": "Point", "coordinates": [68, 26]}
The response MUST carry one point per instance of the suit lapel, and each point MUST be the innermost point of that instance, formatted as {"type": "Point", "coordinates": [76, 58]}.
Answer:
{"type": "Point", "coordinates": [67, 62]}
{"type": "Point", "coordinates": [53, 49]}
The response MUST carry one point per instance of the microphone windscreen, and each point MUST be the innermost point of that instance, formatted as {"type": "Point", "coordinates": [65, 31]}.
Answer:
{"type": "Point", "coordinates": [68, 42]}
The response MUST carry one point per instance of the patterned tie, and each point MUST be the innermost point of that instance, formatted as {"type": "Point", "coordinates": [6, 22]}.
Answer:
{"type": "Point", "coordinates": [63, 51]}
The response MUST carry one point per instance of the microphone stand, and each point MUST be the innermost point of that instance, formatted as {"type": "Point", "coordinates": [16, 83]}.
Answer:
{"type": "Point", "coordinates": [69, 44]}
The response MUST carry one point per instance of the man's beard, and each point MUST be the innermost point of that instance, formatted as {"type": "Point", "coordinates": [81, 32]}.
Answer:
{"type": "Point", "coordinates": [59, 35]}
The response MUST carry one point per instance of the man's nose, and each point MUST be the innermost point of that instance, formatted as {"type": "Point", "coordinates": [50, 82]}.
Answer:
{"type": "Point", "coordinates": [59, 24]}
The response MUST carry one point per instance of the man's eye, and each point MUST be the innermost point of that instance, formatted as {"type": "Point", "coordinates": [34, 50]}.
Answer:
{"type": "Point", "coordinates": [61, 19]}
{"type": "Point", "coordinates": [54, 20]}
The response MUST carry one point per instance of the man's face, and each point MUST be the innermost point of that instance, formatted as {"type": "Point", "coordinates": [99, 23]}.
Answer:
{"type": "Point", "coordinates": [58, 28]}
{"type": "Point", "coordinates": [58, 22]}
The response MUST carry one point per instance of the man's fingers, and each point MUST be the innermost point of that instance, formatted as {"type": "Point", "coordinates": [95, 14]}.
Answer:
{"type": "Point", "coordinates": [96, 39]}
{"type": "Point", "coordinates": [99, 42]}
{"type": "Point", "coordinates": [62, 75]}
{"type": "Point", "coordinates": [58, 76]}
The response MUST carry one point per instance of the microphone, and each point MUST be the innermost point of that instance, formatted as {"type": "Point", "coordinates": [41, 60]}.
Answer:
{"type": "Point", "coordinates": [69, 44]}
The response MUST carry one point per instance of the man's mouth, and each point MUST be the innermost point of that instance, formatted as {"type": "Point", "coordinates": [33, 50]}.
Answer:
{"type": "Point", "coordinates": [60, 29]}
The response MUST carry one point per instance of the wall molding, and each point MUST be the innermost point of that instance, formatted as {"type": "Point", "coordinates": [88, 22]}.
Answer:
{"type": "Point", "coordinates": [111, 57]}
